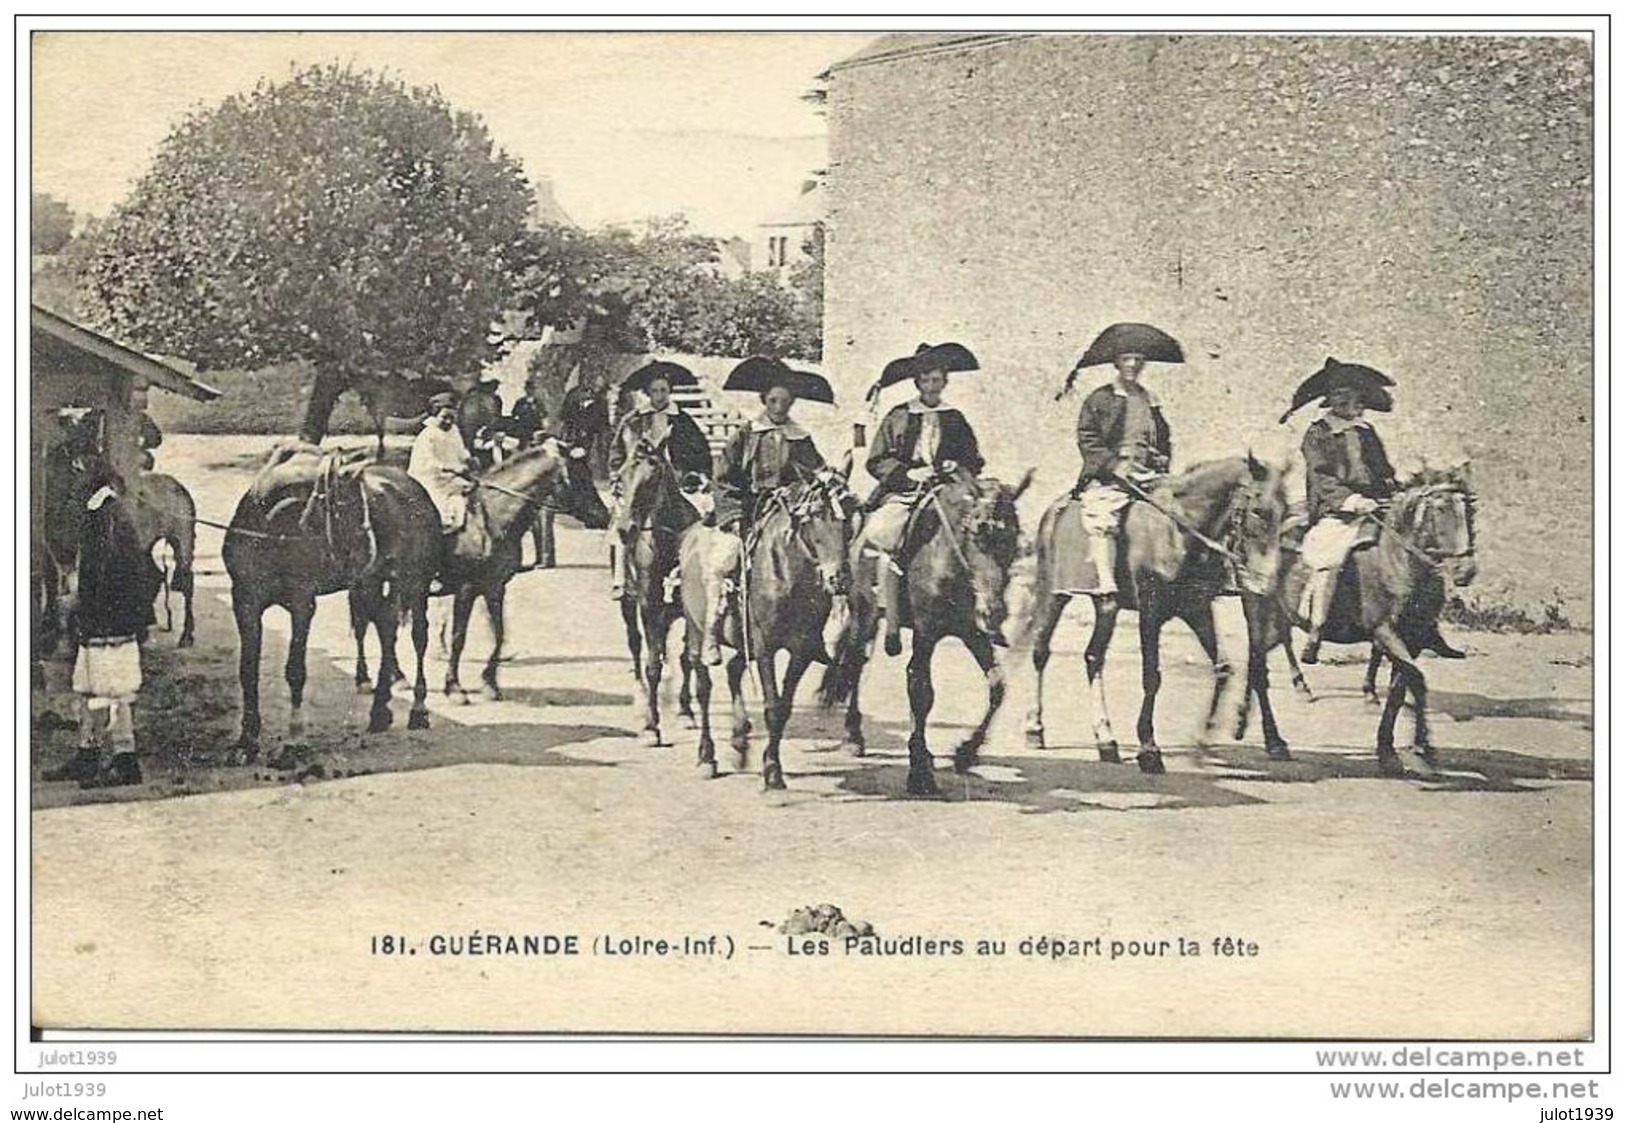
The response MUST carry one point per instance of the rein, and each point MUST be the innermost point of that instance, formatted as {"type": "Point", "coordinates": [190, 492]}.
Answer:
{"type": "Point", "coordinates": [1401, 540]}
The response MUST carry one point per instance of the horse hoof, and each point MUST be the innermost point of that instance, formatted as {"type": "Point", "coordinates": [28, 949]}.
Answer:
{"type": "Point", "coordinates": [243, 752]}
{"type": "Point", "coordinates": [1278, 751]}
{"type": "Point", "coordinates": [1389, 764]}
{"type": "Point", "coordinates": [1109, 754]}
{"type": "Point", "coordinates": [773, 778]}
{"type": "Point", "coordinates": [418, 719]}
{"type": "Point", "coordinates": [923, 784]}
{"type": "Point", "coordinates": [363, 686]}
{"type": "Point", "coordinates": [1371, 698]}
{"type": "Point", "coordinates": [689, 721]}
{"type": "Point", "coordinates": [1238, 731]}
{"type": "Point", "coordinates": [649, 738]}
{"type": "Point", "coordinates": [380, 721]}
{"type": "Point", "coordinates": [707, 770]}
{"type": "Point", "coordinates": [491, 694]}
{"type": "Point", "coordinates": [186, 641]}
{"type": "Point", "coordinates": [965, 759]}
{"type": "Point", "coordinates": [1035, 737]}
{"type": "Point", "coordinates": [853, 748]}
{"type": "Point", "coordinates": [1150, 761]}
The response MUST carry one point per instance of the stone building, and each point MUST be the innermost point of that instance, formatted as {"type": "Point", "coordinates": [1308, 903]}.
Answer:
{"type": "Point", "coordinates": [1422, 205]}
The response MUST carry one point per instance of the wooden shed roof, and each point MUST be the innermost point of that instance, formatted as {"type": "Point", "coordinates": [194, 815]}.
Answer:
{"type": "Point", "coordinates": [61, 343]}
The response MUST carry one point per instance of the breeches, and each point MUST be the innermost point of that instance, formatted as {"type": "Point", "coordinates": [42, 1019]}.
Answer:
{"type": "Point", "coordinates": [886, 525]}
{"type": "Point", "coordinates": [1328, 542]}
{"type": "Point", "coordinates": [1101, 506]}
{"type": "Point", "coordinates": [108, 671]}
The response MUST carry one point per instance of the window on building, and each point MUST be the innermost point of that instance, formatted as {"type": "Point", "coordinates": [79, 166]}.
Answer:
{"type": "Point", "coordinates": [778, 252]}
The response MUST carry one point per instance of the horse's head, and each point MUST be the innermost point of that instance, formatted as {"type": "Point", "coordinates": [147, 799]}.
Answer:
{"type": "Point", "coordinates": [572, 489]}
{"type": "Point", "coordinates": [990, 537]}
{"type": "Point", "coordinates": [1257, 512]}
{"type": "Point", "coordinates": [823, 512]}
{"type": "Point", "coordinates": [1435, 515]}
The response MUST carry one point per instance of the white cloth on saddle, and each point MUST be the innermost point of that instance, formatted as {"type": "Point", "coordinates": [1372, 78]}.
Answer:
{"type": "Point", "coordinates": [1326, 545]}
{"type": "Point", "coordinates": [439, 456]}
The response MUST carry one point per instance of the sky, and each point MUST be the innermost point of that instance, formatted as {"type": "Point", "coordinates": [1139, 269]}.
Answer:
{"type": "Point", "coordinates": [626, 125]}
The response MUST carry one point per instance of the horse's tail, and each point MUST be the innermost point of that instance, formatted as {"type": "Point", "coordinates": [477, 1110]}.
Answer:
{"type": "Point", "coordinates": [840, 679]}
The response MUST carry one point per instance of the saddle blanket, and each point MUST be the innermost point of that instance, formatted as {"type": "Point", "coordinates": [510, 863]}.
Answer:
{"type": "Point", "coordinates": [1072, 570]}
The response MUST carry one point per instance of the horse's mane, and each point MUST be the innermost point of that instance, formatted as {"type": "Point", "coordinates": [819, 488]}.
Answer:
{"type": "Point", "coordinates": [1207, 472]}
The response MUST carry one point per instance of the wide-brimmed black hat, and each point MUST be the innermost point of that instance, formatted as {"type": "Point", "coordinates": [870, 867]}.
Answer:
{"type": "Point", "coordinates": [759, 374]}
{"type": "Point", "coordinates": [674, 373]}
{"type": "Point", "coordinates": [1368, 382]}
{"type": "Point", "coordinates": [1151, 343]}
{"type": "Point", "coordinates": [947, 357]}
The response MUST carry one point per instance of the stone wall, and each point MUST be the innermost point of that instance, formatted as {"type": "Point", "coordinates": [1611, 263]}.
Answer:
{"type": "Point", "coordinates": [1422, 205]}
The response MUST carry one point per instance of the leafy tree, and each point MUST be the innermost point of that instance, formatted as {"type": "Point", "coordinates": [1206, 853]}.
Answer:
{"type": "Point", "coordinates": [339, 218]}
{"type": "Point", "coordinates": [50, 224]}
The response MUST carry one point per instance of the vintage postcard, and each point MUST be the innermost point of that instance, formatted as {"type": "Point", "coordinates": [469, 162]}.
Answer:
{"type": "Point", "coordinates": [940, 534]}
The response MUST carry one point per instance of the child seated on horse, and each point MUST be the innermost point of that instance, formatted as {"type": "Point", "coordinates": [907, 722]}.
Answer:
{"type": "Point", "coordinates": [771, 452]}
{"type": "Point", "coordinates": [442, 463]}
{"type": "Point", "coordinates": [918, 442]}
{"type": "Point", "coordinates": [660, 424]}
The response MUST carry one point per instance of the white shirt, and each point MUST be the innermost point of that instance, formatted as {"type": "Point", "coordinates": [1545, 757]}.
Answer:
{"type": "Point", "coordinates": [436, 453]}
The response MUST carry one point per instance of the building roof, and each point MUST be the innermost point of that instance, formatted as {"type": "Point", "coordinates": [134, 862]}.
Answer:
{"type": "Point", "coordinates": [906, 44]}
{"type": "Point", "coordinates": [56, 342]}
{"type": "Point", "coordinates": [807, 210]}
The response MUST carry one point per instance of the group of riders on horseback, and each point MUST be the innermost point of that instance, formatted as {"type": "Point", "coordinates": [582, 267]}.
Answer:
{"type": "Point", "coordinates": [766, 549]}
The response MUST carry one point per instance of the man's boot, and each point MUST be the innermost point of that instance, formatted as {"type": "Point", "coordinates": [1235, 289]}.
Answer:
{"type": "Point", "coordinates": [891, 596]}
{"type": "Point", "coordinates": [122, 770]}
{"type": "Point", "coordinates": [83, 765]}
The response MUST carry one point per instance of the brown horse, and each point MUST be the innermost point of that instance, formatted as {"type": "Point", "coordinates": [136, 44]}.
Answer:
{"type": "Point", "coordinates": [314, 523]}
{"type": "Point", "coordinates": [479, 560]}
{"type": "Point", "coordinates": [1167, 571]}
{"type": "Point", "coordinates": [656, 517]}
{"type": "Point", "coordinates": [1393, 599]}
{"type": "Point", "coordinates": [957, 554]}
{"type": "Point", "coordinates": [796, 566]}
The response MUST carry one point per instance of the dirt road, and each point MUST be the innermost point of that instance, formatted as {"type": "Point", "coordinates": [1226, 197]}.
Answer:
{"type": "Point", "coordinates": [1455, 907]}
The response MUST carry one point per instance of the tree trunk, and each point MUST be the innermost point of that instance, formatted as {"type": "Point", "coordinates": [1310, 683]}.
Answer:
{"type": "Point", "coordinates": [324, 395]}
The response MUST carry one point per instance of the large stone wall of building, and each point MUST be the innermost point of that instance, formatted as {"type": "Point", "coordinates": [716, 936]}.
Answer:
{"type": "Point", "coordinates": [1422, 205]}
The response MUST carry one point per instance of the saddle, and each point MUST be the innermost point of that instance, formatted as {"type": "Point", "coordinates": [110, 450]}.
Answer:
{"type": "Point", "coordinates": [297, 494]}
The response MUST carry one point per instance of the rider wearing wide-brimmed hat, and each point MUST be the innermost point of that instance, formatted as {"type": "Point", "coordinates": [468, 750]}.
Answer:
{"type": "Point", "coordinates": [1123, 438]}
{"type": "Point", "coordinates": [769, 452]}
{"type": "Point", "coordinates": [918, 442]}
{"type": "Point", "coordinates": [1349, 475]}
{"type": "Point", "coordinates": [659, 423]}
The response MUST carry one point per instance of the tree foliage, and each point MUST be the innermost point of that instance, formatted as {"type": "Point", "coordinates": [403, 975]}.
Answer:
{"type": "Point", "coordinates": [338, 217]}
{"type": "Point", "coordinates": [50, 224]}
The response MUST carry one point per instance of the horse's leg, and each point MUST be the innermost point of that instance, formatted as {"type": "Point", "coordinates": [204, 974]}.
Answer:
{"type": "Point", "coordinates": [496, 594]}
{"type": "Point", "coordinates": [302, 611]}
{"type": "Point", "coordinates": [685, 696]}
{"type": "Point", "coordinates": [462, 607]}
{"type": "Point", "coordinates": [981, 649]}
{"type": "Point", "coordinates": [740, 739]}
{"type": "Point", "coordinates": [386, 623]}
{"type": "Point", "coordinates": [702, 685]}
{"type": "Point", "coordinates": [359, 615]}
{"type": "Point", "coordinates": [1094, 666]}
{"type": "Point", "coordinates": [249, 636]}
{"type": "Point", "coordinates": [1407, 677]}
{"type": "Point", "coordinates": [1262, 637]}
{"type": "Point", "coordinates": [768, 675]}
{"type": "Point", "coordinates": [654, 666]}
{"type": "Point", "coordinates": [1369, 688]}
{"type": "Point", "coordinates": [1152, 618]}
{"type": "Point", "coordinates": [922, 696]}
{"type": "Point", "coordinates": [185, 582]}
{"type": "Point", "coordinates": [419, 604]}
{"type": "Point", "coordinates": [1200, 620]}
{"type": "Point", "coordinates": [1299, 683]}
{"type": "Point", "coordinates": [1423, 742]}
{"type": "Point", "coordinates": [634, 641]}
{"type": "Point", "coordinates": [778, 718]}
{"type": "Point", "coordinates": [1047, 616]}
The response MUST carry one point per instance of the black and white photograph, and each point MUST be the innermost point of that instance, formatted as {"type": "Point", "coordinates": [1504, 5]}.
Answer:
{"type": "Point", "coordinates": [973, 534]}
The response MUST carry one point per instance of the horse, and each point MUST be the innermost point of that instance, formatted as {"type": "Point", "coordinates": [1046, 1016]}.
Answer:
{"type": "Point", "coordinates": [480, 421]}
{"type": "Point", "coordinates": [314, 523]}
{"type": "Point", "coordinates": [961, 543]}
{"type": "Point", "coordinates": [1427, 536]}
{"type": "Point", "coordinates": [163, 511]}
{"type": "Point", "coordinates": [1229, 513]}
{"type": "Point", "coordinates": [481, 557]}
{"type": "Point", "coordinates": [656, 518]}
{"type": "Point", "coordinates": [796, 567]}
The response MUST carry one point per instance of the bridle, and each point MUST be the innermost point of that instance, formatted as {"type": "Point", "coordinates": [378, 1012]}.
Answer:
{"type": "Point", "coordinates": [1429, 551]}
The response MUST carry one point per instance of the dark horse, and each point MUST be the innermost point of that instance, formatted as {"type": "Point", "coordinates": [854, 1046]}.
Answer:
{"type": "Point", "coordinates": [163, 511]}
{"type": "Point", "coordinates": [1165, 572]}
{"type": "Point", "coordinates": [480, 558]}
{"type": "Point", "coordinates": [656, 517]}
{"type": "Point", "coordinates": [479, 410]}
{"type": "Point", "coordinates": [796, 567]}
{"type": "Point", "coordinates": [1388, 594]}
{"type": "Point", "coordinates": [316, 522]}
{"type": "Point", "coordinates": [958, 550]}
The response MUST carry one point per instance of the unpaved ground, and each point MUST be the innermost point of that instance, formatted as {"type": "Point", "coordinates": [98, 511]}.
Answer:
{"type": "Point", "coordinates": [1455, 907]}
